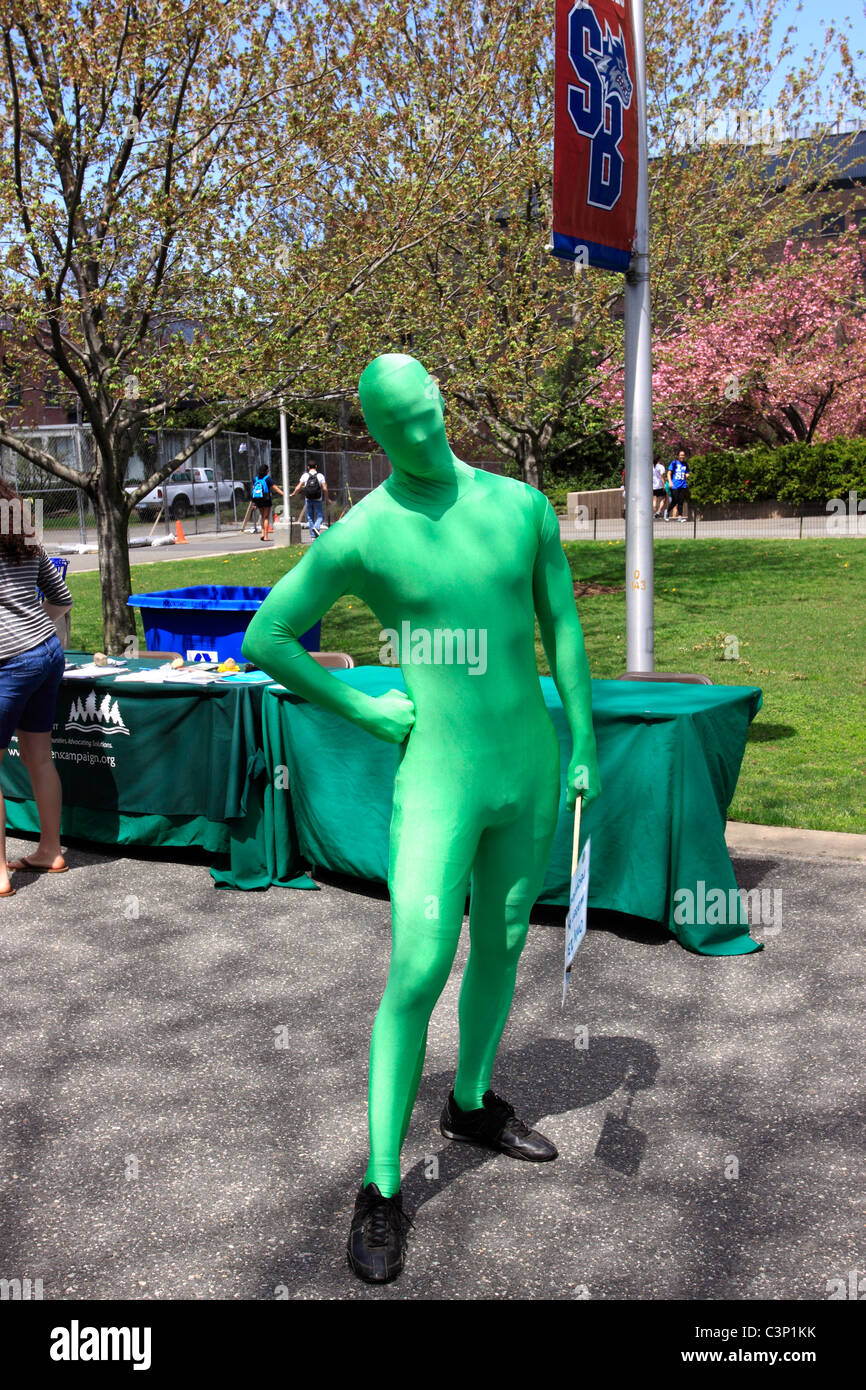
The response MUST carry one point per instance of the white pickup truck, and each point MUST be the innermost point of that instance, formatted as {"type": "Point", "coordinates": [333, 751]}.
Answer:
{"type": "Point", "coordinates": [190, 489]}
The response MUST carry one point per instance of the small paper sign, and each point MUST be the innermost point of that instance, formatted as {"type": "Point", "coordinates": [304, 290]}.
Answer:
{"type": "Point", "coordinates": [197, 654]}
{"type": "Point", "coordinates": [575, 922]}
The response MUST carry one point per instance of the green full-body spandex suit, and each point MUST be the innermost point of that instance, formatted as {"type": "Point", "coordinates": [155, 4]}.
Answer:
{"type": "Point", "coordinates": [443, 548]}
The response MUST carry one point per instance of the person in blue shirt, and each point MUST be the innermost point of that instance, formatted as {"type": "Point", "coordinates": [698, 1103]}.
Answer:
{"type": "Point", "coordinates": [263, 487]}
{"type": "Point", "coordinates": [678, 477]}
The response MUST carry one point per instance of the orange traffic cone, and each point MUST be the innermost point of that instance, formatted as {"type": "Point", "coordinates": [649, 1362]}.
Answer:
{"type": "Point", "coordinates": [180, 538]}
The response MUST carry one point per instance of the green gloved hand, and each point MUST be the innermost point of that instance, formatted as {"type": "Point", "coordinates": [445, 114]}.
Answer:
{"type": "Point", "coordinates": [390, 716]}
{"type": "Point", "coordinates": [582, 779]}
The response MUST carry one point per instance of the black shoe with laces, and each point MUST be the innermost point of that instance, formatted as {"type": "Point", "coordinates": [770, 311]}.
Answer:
{"type": "Point", "coordinates": [495, 1126]}
{"type": "Point", "coordinates": [377, 1237]}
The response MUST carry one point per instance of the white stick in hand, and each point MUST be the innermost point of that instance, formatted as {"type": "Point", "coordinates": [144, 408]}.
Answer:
{"type": "Point", "coordinates": [575, 844]}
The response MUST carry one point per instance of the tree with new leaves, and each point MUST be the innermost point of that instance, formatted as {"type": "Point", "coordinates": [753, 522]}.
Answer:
{"type": "Point", "coordinates": [504, 325]}
{"type": "Point", "coordinates": [247, 169]}
{"type": "Point", "coordinates": [312, 184]}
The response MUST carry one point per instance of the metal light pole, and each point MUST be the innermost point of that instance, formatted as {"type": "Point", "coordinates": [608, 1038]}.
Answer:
{"type": "Point", "coordinates": [284, 462]}
{"type": "Point", "coordinates": [344, 453]}
{"type": "Point", "coordinates": [640, 584]}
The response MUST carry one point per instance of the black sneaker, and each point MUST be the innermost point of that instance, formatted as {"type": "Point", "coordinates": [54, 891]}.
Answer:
{"type": "Point", "coordinates": [377, 1236]}
{"type": "Point", "coordinates": [495, 1126]}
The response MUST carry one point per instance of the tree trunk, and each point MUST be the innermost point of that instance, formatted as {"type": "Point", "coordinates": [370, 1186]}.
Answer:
{"type": "Point", "coordinates": [798, 424]}
{"type": "Point", "coordinates": [770, 433]}
{"type": "Point", "coordinates": [818, 412]}
{"type": "Point", "coordinates": [530, 462]}
{"type": "Point", "coordinates": [112, 527]}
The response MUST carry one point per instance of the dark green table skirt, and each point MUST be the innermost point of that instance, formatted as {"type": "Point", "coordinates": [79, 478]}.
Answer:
{"type": "Point", "coordinates": [669, 756]}
{"type": "Point", "coordinates": [153, 765]}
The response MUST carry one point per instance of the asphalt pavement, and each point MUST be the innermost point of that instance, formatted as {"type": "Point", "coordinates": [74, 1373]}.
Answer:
{"type": "Point", "coordinates": [184, 1097]}
{"type": "Point", "coordinates": [203, 546]}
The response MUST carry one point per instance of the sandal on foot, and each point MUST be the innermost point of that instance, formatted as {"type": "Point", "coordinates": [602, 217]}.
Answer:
{"type": "Point", "coordinates": [23, 865]}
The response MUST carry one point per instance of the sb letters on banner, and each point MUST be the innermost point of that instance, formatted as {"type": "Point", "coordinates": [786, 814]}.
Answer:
{"type": "Point", "coordinates": [595, 159]}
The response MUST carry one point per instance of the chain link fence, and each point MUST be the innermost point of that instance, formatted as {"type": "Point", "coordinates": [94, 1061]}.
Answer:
{"type": "Point", "coordinates": [210, 492]}
{"type": "Point", "coordinates": [58, 509]}
{"type": "Point", "coordinates": [348, 474]}
{"type": "Point", "coordinates": [349, 477]}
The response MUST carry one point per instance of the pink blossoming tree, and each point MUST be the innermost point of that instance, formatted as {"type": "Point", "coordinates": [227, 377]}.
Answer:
{"type": "Point", "coordinates": [777, 359]}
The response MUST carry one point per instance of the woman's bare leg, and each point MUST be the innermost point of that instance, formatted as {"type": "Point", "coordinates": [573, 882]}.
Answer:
{"type": "Point", "coordinates": [35, 752]}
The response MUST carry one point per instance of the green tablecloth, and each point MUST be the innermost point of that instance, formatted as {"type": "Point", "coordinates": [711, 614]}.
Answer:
{"type": "Point", "coordinates": [156, 765]}
{"type": "Point", "coordinates": [669, 756]}
{"type": "Point", "coordinates": [253, 773]}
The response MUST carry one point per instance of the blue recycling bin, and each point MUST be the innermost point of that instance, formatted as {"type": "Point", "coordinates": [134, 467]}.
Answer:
{"type": "Point", "coordinates": [61, 564]}
{"type": "Point", "coordinates": [205, 622]}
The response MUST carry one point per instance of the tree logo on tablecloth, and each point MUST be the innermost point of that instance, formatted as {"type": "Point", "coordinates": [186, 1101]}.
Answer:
{"type": "Point", "coordinates": [85, 715]}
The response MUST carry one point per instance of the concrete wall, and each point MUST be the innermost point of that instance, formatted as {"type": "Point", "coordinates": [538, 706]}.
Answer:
{"type": "Point", "coordinates": [607, 500]}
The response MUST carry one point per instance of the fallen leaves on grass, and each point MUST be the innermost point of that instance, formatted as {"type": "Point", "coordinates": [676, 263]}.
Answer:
{"type": "Point", "coordinates": [583, 589]}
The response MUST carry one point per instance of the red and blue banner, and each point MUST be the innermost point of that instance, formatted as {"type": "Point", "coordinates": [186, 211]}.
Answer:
{"type": "Point", "coordinates": [595, 157]}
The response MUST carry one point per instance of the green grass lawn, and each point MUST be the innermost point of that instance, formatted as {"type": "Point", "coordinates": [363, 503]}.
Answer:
{"type": "Point", "coordinates": [791, 616]}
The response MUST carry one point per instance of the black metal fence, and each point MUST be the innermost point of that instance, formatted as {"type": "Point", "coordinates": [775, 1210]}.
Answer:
{"type": "Point", "coordinates": [600, 517]}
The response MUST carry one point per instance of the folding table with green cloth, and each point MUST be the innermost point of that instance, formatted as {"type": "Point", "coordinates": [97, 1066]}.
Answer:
{"type": "Point", "coordinates": [153, 765]}
{"type": "Point", "coordinates": [669, 756]}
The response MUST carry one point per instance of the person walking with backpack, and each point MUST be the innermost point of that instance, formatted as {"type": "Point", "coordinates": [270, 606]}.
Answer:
{"type": "Point", "coordinates": [263, 486]}
{"type": "Point", "coordinates": [315, 489]}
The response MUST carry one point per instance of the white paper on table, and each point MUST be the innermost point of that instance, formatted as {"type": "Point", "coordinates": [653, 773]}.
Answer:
{"type": "Point", "coordinates": [575, 922]}
{"type": "Point", "coordinates": [88, 671]}
{"type": "Point", "coordinates": [190, 675]}
{"type": "Point", "coordinates": [153, 675]}
{"type": "Point", "coordinates": [163, 675]}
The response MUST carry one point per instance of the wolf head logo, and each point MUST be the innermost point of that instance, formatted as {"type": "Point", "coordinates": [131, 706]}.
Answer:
{"type": "Point", "coordinates": [613, 67]}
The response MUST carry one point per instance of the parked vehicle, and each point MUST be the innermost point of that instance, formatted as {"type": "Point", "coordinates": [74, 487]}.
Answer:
{"type": "Point", "coordinates": [188, 490]}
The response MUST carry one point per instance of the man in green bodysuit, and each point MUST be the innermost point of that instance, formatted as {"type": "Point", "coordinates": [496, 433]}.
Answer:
{"type": "Point", "coordinates": [455, 563]}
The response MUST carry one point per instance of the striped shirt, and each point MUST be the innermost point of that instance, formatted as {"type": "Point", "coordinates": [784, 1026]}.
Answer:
{"type": "Point", "coordinates": [23, 621]}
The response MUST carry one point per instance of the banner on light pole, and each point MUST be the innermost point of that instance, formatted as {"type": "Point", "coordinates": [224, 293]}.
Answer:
{"type": "Point", "coordinates": [595, 159]}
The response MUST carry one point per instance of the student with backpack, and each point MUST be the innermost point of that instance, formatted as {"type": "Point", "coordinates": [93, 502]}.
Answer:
{"type": "Point", "coordinates": [315, 489]}
{"type": "Point", "coordinates": [263, 486]}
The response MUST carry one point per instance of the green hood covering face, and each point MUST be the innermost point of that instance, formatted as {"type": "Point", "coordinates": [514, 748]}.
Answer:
{"type": "Point", "coordinates": [404, 413]}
